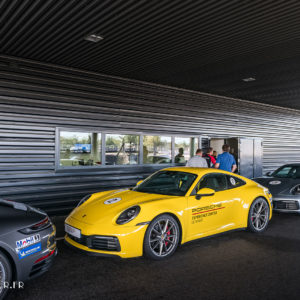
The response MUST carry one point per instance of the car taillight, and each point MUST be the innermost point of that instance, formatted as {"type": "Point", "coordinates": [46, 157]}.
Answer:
{"type": "Point", "coordinates": [41, 224]}
{"type": "Point", "coordinates": [45, 256]}
{"type": "Point", "coordinates": [36, 227]}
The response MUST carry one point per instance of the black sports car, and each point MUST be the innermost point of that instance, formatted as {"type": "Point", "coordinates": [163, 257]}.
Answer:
{"type": "Point", "coordinates": [284, 185]}
{"type": "Point", "coordinates": [27, 244]}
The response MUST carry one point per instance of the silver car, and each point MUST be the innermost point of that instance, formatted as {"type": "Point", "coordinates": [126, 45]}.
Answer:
{"type": "Point", "coordinates": [284, 185]}
{"type": "Point", "coordinates": [27, 244]}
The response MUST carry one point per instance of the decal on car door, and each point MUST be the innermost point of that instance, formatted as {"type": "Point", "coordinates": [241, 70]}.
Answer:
{"type": "Point", "coordinates": [199, 213]}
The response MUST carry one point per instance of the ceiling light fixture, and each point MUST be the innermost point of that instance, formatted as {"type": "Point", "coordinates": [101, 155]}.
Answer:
{"type": "Point", "coordinates": [248, 79]}
{"type": "Point", "coordinates": [95, 38]}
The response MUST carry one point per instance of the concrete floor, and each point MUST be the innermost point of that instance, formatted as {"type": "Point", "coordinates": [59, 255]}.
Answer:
{"type": "Point", "coordinates": [236, 265]}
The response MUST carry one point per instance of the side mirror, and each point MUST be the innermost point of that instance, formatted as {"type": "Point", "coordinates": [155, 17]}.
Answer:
{"type": "Point", "coordinates": [269, 173]}
{"type": "Point", "coordinates": [205, 192]}
{"type": "Point", "coordinates": [139, 182]}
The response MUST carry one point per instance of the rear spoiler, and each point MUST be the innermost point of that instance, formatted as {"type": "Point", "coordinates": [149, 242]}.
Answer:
{"type": "Point", "coordinates": [15, 205]}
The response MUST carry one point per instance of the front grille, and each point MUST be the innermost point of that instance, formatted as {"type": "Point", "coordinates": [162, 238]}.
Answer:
{"type": "Point", "coordinates": [105, 243]}
{"type": "Point", "coordinates": [288, 205]}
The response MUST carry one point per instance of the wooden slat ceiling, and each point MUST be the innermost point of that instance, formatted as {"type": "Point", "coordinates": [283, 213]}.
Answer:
{"type": "Point", "coordinates": [202, 45]}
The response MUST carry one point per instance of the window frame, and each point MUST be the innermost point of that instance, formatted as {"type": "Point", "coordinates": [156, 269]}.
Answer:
{"type": "Point", "coordinates": [103, 133]}
{"type": "Point", "coordinates": [142, 150]}
{"type": "Point", "coordinates": [194, 193]}
{"type": "Point", "coordinates": [197, 143]}
{"type": "Point", "coordinates": [238, 179]}
{"type": "Point", "coordinates": [58, 167]}
{"type": "Point", "coordinates": [103, 150]}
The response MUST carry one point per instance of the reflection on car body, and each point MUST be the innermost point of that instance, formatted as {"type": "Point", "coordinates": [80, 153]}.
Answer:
{"type": "Point", "coordinates": [156, 159]}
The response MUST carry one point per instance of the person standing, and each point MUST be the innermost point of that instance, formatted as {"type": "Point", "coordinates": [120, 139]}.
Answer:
{"type": "Point", "coordinates": [215, 154]}
{"type": "Point", "coordinates": [197, 161]}
{"type": "Point", "coordinates": [209, 157]}
{"type": "Point", "coordinates": [179, 158]}
{"type": "Point", "coordinates": [226, 161]}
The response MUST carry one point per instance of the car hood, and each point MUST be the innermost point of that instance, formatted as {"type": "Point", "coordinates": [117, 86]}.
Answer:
{"type": "Point", "coordinates": [278, 186]}
{"type": "Point", "coordinates": [107, 206]}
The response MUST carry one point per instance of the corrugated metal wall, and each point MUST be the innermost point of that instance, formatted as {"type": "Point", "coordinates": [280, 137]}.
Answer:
{"type": "Point", "coordinates": [36, 98]}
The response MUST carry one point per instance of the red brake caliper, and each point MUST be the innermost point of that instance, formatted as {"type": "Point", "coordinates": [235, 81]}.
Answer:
{"type": "Point", "coordinates": [168, 233]}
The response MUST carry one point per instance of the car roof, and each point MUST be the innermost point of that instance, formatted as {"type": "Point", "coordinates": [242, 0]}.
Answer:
{"type": "Point", "coordinates": [198, 171]}
{"type": "Point", "coordinates": [203, 171]}
{"type": "Point", "coordinates": [291, 165]}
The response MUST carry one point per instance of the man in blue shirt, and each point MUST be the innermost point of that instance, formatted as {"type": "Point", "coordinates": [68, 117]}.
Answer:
{"type": "Point", "coordinates": [226, 161]}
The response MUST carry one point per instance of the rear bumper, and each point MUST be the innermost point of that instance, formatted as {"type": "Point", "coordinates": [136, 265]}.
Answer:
{"type": "Point", "coordinates": [40, 262]}
{"type": "Point", "coordinates": [43, 266]}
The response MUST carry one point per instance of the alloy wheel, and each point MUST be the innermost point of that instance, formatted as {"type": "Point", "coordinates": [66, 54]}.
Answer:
{"type": "Point", "coordinates": [260, 215]}
{"type": "Point", "coordinates": [163, 237]}
{"type": "Point", "coordinates": [2, 277]}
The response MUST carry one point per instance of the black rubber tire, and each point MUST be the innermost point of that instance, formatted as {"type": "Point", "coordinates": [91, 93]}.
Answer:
{"type": "Point", "coordinates": [147, 250]}
{"type": "Point", "coordinates": [4, 261]}
{"type": "Point", "coordinates": [250, 224]}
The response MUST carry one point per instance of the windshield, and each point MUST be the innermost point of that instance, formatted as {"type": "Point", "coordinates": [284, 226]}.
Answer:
{"type": "Point", "coordinates": [171, 183]}
{"type": "Point", "coordinates": [287, 172]}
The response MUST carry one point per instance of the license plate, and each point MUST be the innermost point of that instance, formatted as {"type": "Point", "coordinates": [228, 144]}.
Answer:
{"type": "Point", "coordinates": [72, 231]}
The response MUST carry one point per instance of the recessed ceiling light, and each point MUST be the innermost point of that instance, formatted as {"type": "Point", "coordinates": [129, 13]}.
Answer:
{"type": "Point", "coordinates": [95, 38]}
{"type": "Point", "coordinates": [248, 79]}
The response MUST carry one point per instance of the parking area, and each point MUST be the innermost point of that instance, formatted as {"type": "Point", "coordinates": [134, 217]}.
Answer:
{"type": "Point", "coordinates": [96, 96]}
{"type": "Point", "coordinates": [235, 265]}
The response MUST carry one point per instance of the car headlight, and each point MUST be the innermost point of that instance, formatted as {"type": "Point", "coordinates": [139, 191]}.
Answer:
{"type": "Point", "coordinates": [128, 215]}
{"type": "Point", "coordinates": [269, 195]}
{"type": "Point", "coordinates": [85, 198]}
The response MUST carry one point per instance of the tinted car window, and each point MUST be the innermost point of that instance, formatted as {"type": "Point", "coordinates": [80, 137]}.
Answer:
{"type": "Point", "coordinates": [167, 183]}
{"type": "Point", "coordinates": [215, 181]}
{"type": "Point", "coordinates": [234, 182]}
{"type": "Point", "coordinates": [287, 172]}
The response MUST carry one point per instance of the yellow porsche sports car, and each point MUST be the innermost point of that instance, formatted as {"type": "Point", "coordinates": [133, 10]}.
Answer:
{"type": "Point", "coordinates": [171, 207]}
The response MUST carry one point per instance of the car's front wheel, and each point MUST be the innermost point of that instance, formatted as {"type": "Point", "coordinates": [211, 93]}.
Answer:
{"type": "Point", "coordinates": [258, 217]}
{"type": "Point", "coordinates": [5, 275]}
{"type": "Point", "coordinates": [162, 237]}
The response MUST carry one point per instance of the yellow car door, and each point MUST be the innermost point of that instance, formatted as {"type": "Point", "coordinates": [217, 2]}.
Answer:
{"type": "Point", "coordinates": [211, 214]}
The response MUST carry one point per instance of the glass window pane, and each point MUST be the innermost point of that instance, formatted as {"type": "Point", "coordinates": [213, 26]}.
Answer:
{"type": "Point", "coordinates": [80, 149]}
{"type": "Point", "coordinates": [185, 148]}
{"type": "Point", "coordinates": [122, 149]}
{"type": "Point", "coordinates": [282, 172]}
{"type": "Point", "coordinates": [167, 183]}
{"type": "Point", "coordinates": [217, 182]}
{"type": "Point", "coordinates": [157, 149]}
{"type": "Point", "coordinates": [287, 172]}
{"type": "Point", "coordinates": [234, 182]}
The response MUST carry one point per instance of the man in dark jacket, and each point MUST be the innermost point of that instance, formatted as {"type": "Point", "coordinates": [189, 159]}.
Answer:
{"type": "Point", "coordinates": [209, 157]}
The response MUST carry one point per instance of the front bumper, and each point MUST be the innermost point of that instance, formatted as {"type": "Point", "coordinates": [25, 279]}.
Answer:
{"type": "Point", "coordinates": [286, 205]}
{"type": "Point", "coordinates": [130, 239]}
{"type": "Point", "coordinates": [88, 252]}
